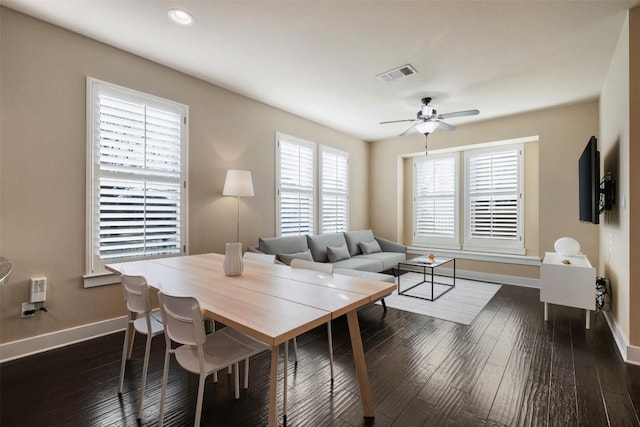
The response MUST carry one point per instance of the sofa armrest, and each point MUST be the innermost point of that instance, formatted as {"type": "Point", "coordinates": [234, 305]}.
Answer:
{"type": "Point", "coordinates": [391, 246]}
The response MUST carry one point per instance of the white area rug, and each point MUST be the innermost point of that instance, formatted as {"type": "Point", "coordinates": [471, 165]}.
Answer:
{"type": "Point", "coordinates": [461, 304]}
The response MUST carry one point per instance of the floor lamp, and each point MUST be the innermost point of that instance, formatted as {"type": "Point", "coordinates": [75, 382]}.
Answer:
{"type": "Point", "coordinates": [238, 183]}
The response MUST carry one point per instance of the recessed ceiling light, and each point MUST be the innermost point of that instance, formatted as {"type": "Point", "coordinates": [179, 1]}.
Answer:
{"type": "Point", "coordinates": [180, 17]}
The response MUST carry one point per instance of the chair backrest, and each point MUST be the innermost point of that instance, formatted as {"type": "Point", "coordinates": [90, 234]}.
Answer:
{"type": "Point", "coordinates": [322, 267]}
{"type": "Point", "coordinates": [136, 293]}
{"type": "Point", "coordinates": [182, 318]}
{"type": "Point", "coordinates": [266, 258]}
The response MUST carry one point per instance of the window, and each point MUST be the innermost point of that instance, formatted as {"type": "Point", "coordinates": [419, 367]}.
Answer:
{"type": "Point", "coordinates": [494, 198]}
{"type": "Point", "coordinates": [491, 196]}
{"type": "Point", "coordinates": [296, 186]}
{"type": "Point", "coordinates": [334, 190]}
{"type": "Point", "coordinates": [435, 201]}
{"type": "Point", "coordinates": [304, 203]}
{"type": "Point", "coordinates": [136, 176]}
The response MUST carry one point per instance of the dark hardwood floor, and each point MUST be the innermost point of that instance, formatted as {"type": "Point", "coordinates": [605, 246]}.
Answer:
{"type": "Point", "coordinates": [508, 368]}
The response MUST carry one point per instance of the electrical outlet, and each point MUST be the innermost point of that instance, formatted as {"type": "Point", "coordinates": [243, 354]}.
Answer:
{"type": "Point", "coordinates": [27, 309]}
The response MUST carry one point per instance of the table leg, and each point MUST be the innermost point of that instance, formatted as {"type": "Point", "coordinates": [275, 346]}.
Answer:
{"type": "Point", "coordinates": [273, 387]}
{"type": "Point", "coordinates": [285, 385]}
{"type": "Point", "coordinates": [546, 312]}
{"type": "Point", "coordinates": [433, 297]}
{"type": "Point", "coordinates": [454, 272]}
{"type": "Point", "coordinates": [588, 319]}
{"type": "Point", "coordinates": [361, 365]}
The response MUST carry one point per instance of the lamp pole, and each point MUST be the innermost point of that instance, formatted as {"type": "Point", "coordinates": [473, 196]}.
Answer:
{"type": "Point", "coordinates": [238, 222]}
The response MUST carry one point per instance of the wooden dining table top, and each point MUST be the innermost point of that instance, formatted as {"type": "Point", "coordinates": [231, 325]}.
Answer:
{"type": "Point", "coordinates": [270, 302]}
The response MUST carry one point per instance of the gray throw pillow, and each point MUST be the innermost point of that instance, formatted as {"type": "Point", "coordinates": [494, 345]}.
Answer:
{"type": "Point", "coordinates": [286, 258]}
{"type": "Point", "coordinates": [369, 247]}
{"type": "Point", "coordinates": [338, 253]}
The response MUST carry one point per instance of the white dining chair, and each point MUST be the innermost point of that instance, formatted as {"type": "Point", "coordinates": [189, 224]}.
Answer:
{"type": "Point", "coordinates": [322, 267]}
{"type": "Point", "coordinates": [200, 353]}
{"type": "Point", "coordinates": [265, 258]}
{"type": "Point", "coordinates": [326, 268]}
{"type": "Point", "coordinates": [141, 320]}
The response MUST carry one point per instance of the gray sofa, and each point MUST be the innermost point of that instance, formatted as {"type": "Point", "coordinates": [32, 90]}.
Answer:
{"type": "Point", "coordinates": [354, 250]}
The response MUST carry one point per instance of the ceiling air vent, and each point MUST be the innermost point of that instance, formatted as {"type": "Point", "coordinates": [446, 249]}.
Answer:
{"type": "Point", "coordinates": [397, 73]}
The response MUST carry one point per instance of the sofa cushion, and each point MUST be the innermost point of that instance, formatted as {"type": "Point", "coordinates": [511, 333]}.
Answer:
{"type": "Point", "coordinates": [358, 262]}
{"type": "Point", "coordinates": [318, 244]}
{"type": "Point", "coordinates": [369, 247]}
{"type": "Point", "coordinates": [283, 245]}
{"type": "Point", "coordinates": [338, 253]}
{"type": "Point", "coordinates": [355, 237]}
{"type": "Point", "coordinates": [287, 258]}
{"type": "Point", "coordinates": [387, 259]}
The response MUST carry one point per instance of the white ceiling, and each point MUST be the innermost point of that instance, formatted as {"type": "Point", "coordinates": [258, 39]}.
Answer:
{"type": "Point", "coordinates": [319, 59]}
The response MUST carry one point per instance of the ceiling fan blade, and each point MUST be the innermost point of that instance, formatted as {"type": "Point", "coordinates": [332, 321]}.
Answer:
{"type": "Point", "coordinates": [446, 126]}
{"type": "Point", "coordinates": [459, 114]}
{"type": "Point", "coordinates": [407, 130]}
{"type": "Point", "coordinates": [398, 121]}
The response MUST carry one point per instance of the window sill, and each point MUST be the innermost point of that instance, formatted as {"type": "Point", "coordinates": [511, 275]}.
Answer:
{"type": "Point", "coordinates": [93, 280]}
{"type": "Point", "coordinates": [478, 256]}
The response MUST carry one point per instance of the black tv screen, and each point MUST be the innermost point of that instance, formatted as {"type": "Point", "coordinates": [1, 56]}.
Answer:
{"type": "Point", "coordinates": [589, 182]}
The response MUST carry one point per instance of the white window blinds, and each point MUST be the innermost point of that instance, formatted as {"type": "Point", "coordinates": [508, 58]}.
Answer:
{"type": "Point", "coordinates": [494, 198]}
{"type": "Point", "coordinates": [334, 190]}
{"type": "Point", "coordinates": [296, 186]}
{"type": "Point", "coordinates": [137, 161]}
{"type": "Point", "coordinates": [435, 200]}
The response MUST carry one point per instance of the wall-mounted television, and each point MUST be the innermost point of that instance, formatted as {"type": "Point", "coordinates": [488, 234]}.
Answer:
{"type": "Point", "coordinates": [589, 182]}
{"type": "Point", "coordinates": [595, 196]}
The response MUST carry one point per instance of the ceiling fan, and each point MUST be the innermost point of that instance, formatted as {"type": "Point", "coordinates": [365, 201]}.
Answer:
{"type": "Point", "coordinates": [429, 120]}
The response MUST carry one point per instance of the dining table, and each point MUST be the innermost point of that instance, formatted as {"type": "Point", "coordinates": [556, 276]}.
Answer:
{"type": "Point", "coordinates": [270, 302]}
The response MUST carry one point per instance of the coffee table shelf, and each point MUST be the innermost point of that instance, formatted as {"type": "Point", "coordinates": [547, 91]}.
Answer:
{"type": "Point", "coordinates": [427, 270]}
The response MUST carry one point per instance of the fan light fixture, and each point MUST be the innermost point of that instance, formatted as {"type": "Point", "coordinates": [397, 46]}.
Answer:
{"type": "Point", "coordinates": [426, 127]}
{"type": "Point", "coordinates": [180, 17]}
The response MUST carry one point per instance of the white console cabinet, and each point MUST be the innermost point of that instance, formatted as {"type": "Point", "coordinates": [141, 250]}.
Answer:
{"type": "Point", "coordinates": [573, 285]}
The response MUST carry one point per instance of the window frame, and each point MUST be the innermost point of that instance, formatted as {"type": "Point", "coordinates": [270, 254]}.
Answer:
{"type": "Point", "coordinates": [280, 138]}
{"type": "Point", "coordinates": [505, 246]}
{"type": "Point", "coordinates": [516, 248]}
{"type": "Point", "coordinates": [438, 239]}
{"type": "Point", "coordinates": [331, 192]}
{"type": "Point", "coordinates": [317, 171]}
{"type": "Point", "coordinates": [95, 271]}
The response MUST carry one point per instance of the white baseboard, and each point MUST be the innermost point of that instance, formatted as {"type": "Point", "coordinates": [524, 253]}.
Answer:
{"type": "Point", "coordinates": [38, 344]}
{"type": "Point", "coordinates": [491, 277]}
{"type": "Point", "coordinates": [629, 353]}
{"type": "Point", "coordinates": [633, 355]}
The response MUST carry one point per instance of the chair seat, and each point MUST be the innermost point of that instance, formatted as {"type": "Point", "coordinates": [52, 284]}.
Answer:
{"type": "Point", "coordinates": [140, 324]}
{"type": "Point", "coordinates": [222, 348]}
{"type": "Point", "coordinates": [246, 340]}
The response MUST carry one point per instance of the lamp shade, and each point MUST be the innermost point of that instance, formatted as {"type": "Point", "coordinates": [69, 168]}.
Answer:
{"type": "Point", "coordinates": [238, 183]}
{"type": "Point", "coordinates": [427, 127]}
